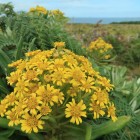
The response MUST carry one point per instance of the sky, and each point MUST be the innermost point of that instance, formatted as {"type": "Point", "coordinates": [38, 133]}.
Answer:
{"type": "Point", "coordinates": [84, 8]}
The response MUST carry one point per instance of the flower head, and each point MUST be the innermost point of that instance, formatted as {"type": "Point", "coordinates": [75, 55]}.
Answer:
{"type": "Point", "coordinates": [59, 44]}
{"type": "Point", "coordinates": [31, 123]}
{"type": "Point", "coordinates": [75, 111]}
{"type": "Point", "coordinates": [96, 109]}
{"type": "Point", "coordinates": [111, 112]}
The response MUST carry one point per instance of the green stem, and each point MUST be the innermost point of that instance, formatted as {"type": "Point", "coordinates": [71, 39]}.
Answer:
{"type": "Point", "coordinates": [88, 132]}
{"type": "Point", "coordinates": [59, 116]}
{"type": "Point", "coordinates": [67, 98]}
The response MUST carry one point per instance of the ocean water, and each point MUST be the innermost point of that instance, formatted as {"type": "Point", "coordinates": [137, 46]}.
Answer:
{"type": "Point", "coordinates": [101, 20]}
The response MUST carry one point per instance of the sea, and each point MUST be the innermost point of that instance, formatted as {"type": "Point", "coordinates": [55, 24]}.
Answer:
{"type": "Point", "coordinates": [101, 20]}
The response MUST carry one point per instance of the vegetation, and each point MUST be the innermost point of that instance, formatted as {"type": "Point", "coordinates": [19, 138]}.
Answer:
{"type": "Point", "coordinates": [127, 22]}
{"type": "Point", "coordinates": [54, 86]}
{"type": "Point", "coordinates": [125, 40]}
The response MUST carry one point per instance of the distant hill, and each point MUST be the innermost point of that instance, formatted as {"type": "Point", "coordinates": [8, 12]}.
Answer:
{"type": "Point", "coordinates": [126, 22]}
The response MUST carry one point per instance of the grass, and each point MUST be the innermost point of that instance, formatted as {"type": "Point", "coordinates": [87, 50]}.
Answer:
{"type": "Point", "coordinates": [88, 32]}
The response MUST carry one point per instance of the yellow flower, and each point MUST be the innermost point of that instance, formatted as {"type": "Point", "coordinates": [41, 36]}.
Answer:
{"type": "Point", "coordinates": [58, 63]}
{"type": "Point", "coordinates": [11, 115]}
{"type": "Point", "coordinates": [105, 83]}
{"type": "Point", "coordinates": [31, 123]}
{"type": "Point", "coordinates": [22, 65]}
{"type": "Point", "coordinates": [32, 9]}
{"type": "Point", "coordinates": [70, 60]}
{"type": "Point", "coordinates": [3, 108]}
{"type": "Point", "coordinates": [47, 78]}
{"type": "Point", "coordinates": [11, 99]}
{"type": "Point", "coordinates": [42, 66]}
{"type": "Point", "coordinates": [57, 12]}
{"type": "Point", "coordinates": [47, 93]}
{"type": "Point", "coordinates": [73, 91]}
{"type": "Point", "coordinates": [31, 75]}
{"type": "Point", "coordinates": [39, 9]}
{"type": "Point", "coordinates": [32, 53]}
{"type": "Point", "coordinates": [21, 87]}
{"type": "Point", "coordinates": [13, 78]}
{"type": "Point", "coordinates": [59, 76]}
{"type": "Point", "coordinates": [100, 96]}
{"type": "Point", "coordinates": [59, 44]}
{"type": "Point", "coordinates": [111, 112]}
{"type": "Point", "coordinates": [76, 111]}
{"type": "Point", "coordinates": [15, 64]}
{"type": "Point", "coordinates": [87, 85]}
{"type": "Point", "coordinates": [76, 76]}
{"type": "Point", "coordinates": [96, 109]}
{"type": "Point", "coordinates": [107, 56]}
{"type": "Point", "coordinates": [19, 108]}
{"type": "Point", "coordinates": [32, 104]}
{"type": "Point", "coordinates": [59, 95]}
{"type": "Point", "coordinates": [44, 109]}
{"type": "Point", "coordinates": [32, 88]}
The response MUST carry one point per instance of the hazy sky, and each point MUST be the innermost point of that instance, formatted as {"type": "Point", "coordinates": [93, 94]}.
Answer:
{"type": "Point", "coordinates": [84, 8]}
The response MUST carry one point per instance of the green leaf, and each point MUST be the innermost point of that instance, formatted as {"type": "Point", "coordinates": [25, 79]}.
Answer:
{"type": "Point", "coordinates": [3, 89]}
{"type": "Point", "coordinates": [3, 86]}
{"type": "Point", "coordinates": [7, 133]}
{"type": "Point", "coordinates": [35, 136]}
{"type": "Point", "coordinates": [4, 61]}
{"type": "Point", "coordinates": [19, 49]}
{"type": "Point", "coordinates": [73, 132]}
{"type": "Point", "coordinates": [110, 126]}
{"type": "Point", "coordinates": [3, 138]}
{"type": "Point", "coordinates": [31, 45]}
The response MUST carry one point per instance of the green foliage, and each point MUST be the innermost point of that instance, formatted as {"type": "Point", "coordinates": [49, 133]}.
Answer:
{"type": "Point", "coordinates": [7, 9]}
{"type": "Point", "coordinates": [126, 96]}
{"type": "Point", "coordinates": [127, 22]}
{"type": "Point", "coordinates": [45, 29]}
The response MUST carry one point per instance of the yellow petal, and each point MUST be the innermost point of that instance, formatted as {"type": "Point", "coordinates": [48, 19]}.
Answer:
{"type": "Point", "coordinates": [72, 120]}
{"type": "Point", "coordinates": [35, 129]}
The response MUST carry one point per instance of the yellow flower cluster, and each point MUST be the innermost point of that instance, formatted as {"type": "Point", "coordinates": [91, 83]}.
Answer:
{"type": "Point", "coordinates": [51, 79]}
{"type": "Point", "coordinates": [42, 10]}
{"type": "Point", "coordinates": [56, 12]}
{"type": "Point", "coordinates": [101, 47]}
{"type": "Point", "coordinates": [39, 9]}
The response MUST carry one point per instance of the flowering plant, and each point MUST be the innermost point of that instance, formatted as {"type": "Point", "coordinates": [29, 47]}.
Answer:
{"type": "Point", "coordinates": [99, 49]}
{"type": "Point", "coordinates": [42, 10]}
{"type": "Point", "coordinates": [39, 9]}
{"type": "Point", "coordinates": [55, 86]}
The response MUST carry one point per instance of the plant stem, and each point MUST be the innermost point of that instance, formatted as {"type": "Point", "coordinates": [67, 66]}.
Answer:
{"type": "Point", "coordinates": [88, 132]}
